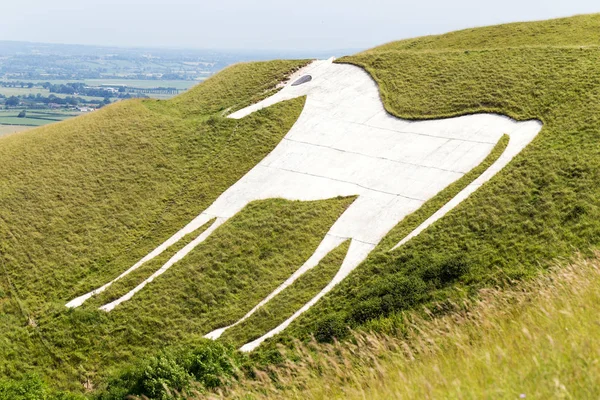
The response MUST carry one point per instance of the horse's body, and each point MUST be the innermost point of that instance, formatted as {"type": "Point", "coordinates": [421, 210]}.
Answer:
{"type": "Point", "coordinates": [344, 143]}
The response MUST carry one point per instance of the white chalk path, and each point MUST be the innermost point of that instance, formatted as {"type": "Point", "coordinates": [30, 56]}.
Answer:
{"type": "Point", "coordinates": [344, 143]}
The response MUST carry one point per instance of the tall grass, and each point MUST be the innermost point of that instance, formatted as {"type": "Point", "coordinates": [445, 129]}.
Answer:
{"type": "Point", "coordinates": [536, 340]}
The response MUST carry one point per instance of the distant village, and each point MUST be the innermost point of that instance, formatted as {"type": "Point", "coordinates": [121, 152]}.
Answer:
{"type": "Point", "coordinates": [72, 96]}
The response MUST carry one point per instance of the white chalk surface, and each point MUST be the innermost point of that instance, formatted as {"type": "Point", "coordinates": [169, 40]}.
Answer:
{"type": "Point", "coordinates": [345, 143]}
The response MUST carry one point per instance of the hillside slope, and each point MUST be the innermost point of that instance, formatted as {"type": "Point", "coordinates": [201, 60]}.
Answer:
{"type": "Point", "coordinates": [542, 206]}
{"type": "Point", "coordinates": [535, 340]}
{"type": "Point", "coordinates": [82, 200]}
{"type": "Point", "coordinates": [580, 30]}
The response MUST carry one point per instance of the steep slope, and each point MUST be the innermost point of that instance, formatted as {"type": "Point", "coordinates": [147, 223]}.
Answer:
{"type": "Point", "coordinates": [511, 343]}
{"type": "Point", "coordinates": [82, 200]}
{"type": "Point", "coordinates": [544, 205]}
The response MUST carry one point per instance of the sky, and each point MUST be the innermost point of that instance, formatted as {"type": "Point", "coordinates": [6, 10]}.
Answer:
{"type": "Point", "coordinates": [313, 25]}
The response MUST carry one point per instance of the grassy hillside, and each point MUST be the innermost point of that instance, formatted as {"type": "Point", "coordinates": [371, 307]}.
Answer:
{"type": "Point", "coordinates": [535, 341]}
{"type": "Point", "coordinates": [289, 300]}
{"type": "Point", "coordinates": [581, 30]}
{"type": "Point", "coordinates": [543, 206]}
{"type": "Point", "coordinates": [83, 200]}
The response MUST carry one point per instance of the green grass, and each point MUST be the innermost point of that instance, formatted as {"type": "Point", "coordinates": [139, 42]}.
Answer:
{"type": "Point", "coordinates": [544, 205]}
{"type": "Point", "coordinates": [537, 340]}
{"type": "Point", "coordinates": [123, 286]}
{"type": "Point", "coordinates": [286, 303]}
{"type": "Point", "coordinates": [84, 199]}
{"type": "Point", "coordinates": [577, 31]}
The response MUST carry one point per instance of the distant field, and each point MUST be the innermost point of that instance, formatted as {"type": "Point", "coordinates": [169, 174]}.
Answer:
{"type": "Point", "coordinates": [9, 91]}
{"type": "Point", "coordinates": [142, 84]}
{"type": "Point", "coordinates": [34, 117]}
{"type": "Point", "coordinates": [6, 129]}
{"type": "Point", "coordinates": [34, 91]}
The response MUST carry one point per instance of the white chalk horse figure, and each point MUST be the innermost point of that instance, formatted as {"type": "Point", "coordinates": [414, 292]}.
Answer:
{"type": "Point", "coordinates": [344, 143]}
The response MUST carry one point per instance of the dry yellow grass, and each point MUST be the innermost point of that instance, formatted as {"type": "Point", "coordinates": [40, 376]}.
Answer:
{"type": "Point", "coordinates": [537, 340]}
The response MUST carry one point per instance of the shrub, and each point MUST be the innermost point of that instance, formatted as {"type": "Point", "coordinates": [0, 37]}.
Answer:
{"type": "Point", "coordinates": [397, 292]}
{"type": "Point", "coordinates": [173, 372]}
{"type": "Point", "coordinates": [31, 387]}
{"type": "Point", "coordinates": [158, 377]}
{"type": "Point", "coordinates": [446, 271]}
{"type": "Point", "coordinates": [211, 364]}
{"type": "Point", "coordinates": [331, 327]}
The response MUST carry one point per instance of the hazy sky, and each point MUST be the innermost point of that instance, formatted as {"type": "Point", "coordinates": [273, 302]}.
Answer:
{"type": "Point", "coordinates": [262, 24]}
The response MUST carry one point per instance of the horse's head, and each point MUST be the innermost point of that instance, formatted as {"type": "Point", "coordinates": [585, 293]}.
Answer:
{"type": "Point", "coordinates": [321, 82]}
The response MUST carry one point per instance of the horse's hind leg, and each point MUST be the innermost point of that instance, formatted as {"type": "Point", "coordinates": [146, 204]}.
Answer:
{"type": "Point", "coordinates": [328, 243]}
{"type": "Point", "coordinates": [366, 221]}
{"type": "Point", "coordinates": [189, 228]}
{"type": "Point", "coordinates": [357, 252]}
{"type": "Point", "coordinates": [178, 256]}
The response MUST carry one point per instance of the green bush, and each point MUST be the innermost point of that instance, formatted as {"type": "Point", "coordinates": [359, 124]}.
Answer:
{"type": "Point", "coordinates": [211, 364]}
{"type": "Point", "coordinates": [331, 327]}
{"type": "Point", "coordinates": [398, 292]}
{"type": "Point", "coordinates": [32, 387]}
{"type": "Point", "coordinates": [172, 373]}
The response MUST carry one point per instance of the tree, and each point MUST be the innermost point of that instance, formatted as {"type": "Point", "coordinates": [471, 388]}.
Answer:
{"type": "Point", "coordinates": [105, 102]}
{"type": "Point", "coordinates": [22, 114]}
{"type": "Point", "coordinates": [12, 101]}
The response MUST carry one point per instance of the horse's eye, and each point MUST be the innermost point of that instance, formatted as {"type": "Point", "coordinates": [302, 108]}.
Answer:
{"type": "Point", "coordinates": [302, 79]}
